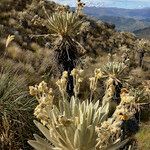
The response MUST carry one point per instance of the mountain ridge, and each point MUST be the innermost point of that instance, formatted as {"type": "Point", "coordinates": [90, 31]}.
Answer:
{"type": "Point", "coordinates": [126, 24]}
{"type": "Point", "coordinates": [120, 12]}
{"type": "Point", "coordinates": [124, 19]}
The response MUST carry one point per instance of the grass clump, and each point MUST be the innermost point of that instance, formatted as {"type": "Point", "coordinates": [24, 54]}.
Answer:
{"type": "Point", "coordinates": [143, 137]}
{"type": "Point", "coordinates": [15, 108]}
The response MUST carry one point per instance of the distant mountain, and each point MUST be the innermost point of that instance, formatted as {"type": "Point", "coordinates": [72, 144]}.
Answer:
{"type": "Point", "coordinates": [126, 24]}
{"type": "Point", "coordinates": [118, 12]}
{"type": "Point", "coordinates": [124, 19]}
{"type": "Point", "coordinates": [143, 33]}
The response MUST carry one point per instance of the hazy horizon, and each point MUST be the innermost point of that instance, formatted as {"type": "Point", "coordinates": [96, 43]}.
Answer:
{"type": "Point", "coordinates": [126, 4]}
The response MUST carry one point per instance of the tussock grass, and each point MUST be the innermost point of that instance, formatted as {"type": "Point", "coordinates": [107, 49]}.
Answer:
{"type": "Point", "coordinates": [143, 137]}
{"type": "Point", "coordinates": [15, 110]}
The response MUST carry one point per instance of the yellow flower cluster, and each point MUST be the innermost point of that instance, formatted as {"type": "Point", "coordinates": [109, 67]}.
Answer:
{"type": "Point", "coordinates": [108, 132]}
{"type": "Point", "coordinates": [45, 98]}
{"type": "Point", "coordinates": [80, 6]}
{"type": "Point", "coordinates": [110, 86]}
{"type": "Point", "coordinates": [62, 84]}
{"type": "Point", "coordinates": [77, 79]}
{"type": "Point", "coordinates": [126, 109]}
{"type": "Point", "coordinates": [126, 97]}
{"type": "Point", "coordinates": [63, 121]}
{"type": "Point", "coordinates": [94, 80]}
{"type": "Point", "coordinates": [9, 39]}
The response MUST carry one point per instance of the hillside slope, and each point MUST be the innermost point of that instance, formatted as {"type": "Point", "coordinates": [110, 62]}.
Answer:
{"type": "Point", "coordinates": [143, 33]}
{"type": "Point", "coordinates": [28, 22]}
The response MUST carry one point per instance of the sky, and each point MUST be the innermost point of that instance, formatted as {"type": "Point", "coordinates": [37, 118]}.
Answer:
{"type": "Point", "coordinates": [130, 4]}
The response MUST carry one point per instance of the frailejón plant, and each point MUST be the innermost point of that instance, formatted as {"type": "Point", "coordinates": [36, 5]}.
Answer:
{"type": "Point", "coordinates": [77, 124]}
